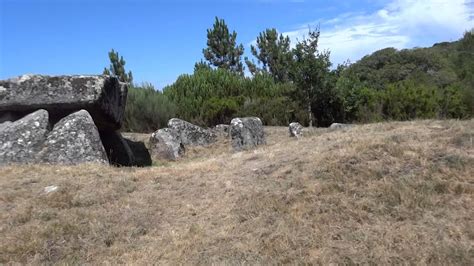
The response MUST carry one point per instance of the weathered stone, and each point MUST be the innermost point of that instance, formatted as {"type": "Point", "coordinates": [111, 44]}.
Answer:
{"type": "Point", "coordinates": [103, 97]}
{"type": "Point", "coordinates": [140, 153]}
{"type": "Point", "coordinates": [222, 130]}
{"type": "Point", "coordinates": [190, 134]}
{"type": "Point", "coordinates": [296, 130]}
{"type": "Point", "coordinates": [166, 144]}
{"type": "Point", "coordinates": [339, 126]}
{"type": "Point", "coordinates": [21, 140]}
{"type": "Point", "coordinates": [73, 140]}
{"type": "Point", "coordinates": [246, 133]}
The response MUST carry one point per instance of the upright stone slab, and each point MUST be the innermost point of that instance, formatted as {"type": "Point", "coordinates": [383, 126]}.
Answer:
{"type": "Point", "coordinates": [73, 140]}
{"type": "Point", "coordinates": [166, 144]}
{"type": "Point", "coordinates": [191, 134]}
{"type": "Point", "coordinates": [103, 97]}
{"type": "Point", "coordinates": [21, 140]}
{"type": "Point", "coordinates": [246, 133]}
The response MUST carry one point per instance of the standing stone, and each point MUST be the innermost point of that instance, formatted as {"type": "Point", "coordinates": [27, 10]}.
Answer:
{"type": "Point", "coordinates": [296, 130]}
{"type": "Point", "coordinates": [103, 97]}
{"type": "Point", "coordinates": [21, 140]}
{"type": "Point", "coordinates": [190, 134]}
{"type": "Point", "coordinates": [246, 133]}
{"type": "Point", "coordinates": [73, 140]}
{"type": "Point", "coordinates": [166, 144]}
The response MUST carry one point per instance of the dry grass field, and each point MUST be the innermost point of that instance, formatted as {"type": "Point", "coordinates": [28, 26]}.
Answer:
{"type": "Point", "coordinates": [389, 193]}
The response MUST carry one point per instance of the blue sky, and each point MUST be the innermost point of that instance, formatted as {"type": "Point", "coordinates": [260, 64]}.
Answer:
{"type": "Point", "coordinates": [162, 39]}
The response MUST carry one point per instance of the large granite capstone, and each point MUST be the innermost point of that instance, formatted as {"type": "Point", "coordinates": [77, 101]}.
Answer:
{"type": "Point", "coordinates": [104, 97]}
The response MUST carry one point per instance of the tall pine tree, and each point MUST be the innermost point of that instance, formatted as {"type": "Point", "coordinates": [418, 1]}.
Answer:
{"type": "Point", "coordinates": [273, 53]}
{"type": "Point", "coordinates": [222, 50]}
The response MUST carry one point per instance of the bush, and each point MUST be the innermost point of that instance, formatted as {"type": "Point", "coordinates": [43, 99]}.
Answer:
{"type": "Point", "coordinates": [147, 109]}
{"type": "Point", "coordinates": [407, 100]}
{"type": "Point", "coordinates": [209, 97]}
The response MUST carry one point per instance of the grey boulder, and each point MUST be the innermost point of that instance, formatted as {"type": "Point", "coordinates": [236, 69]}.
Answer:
{"type": "Point", "coordinates": [296, 130]}
{"type": "Point", "coordinates": [21, 140]}
{"type": "Point", "coordinates": [191, 134]}
{"type": "Point", "coordinates": [166, 144]}
{"type": "Point", "coordinates": [246, 133]}
{"type": "Point", "coordinates": [104, 97]}
{"type": "Point", "coordinates": [73, 140]}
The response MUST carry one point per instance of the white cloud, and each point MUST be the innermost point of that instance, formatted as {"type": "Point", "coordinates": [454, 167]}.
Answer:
{"type": "Point", "coordinates": [399, 24]}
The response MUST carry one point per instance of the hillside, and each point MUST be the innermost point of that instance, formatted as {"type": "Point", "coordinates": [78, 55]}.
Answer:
{"type": "Point", "coordinates": [387, 193]}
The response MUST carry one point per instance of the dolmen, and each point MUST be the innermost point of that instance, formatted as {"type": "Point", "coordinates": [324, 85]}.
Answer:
{"type": "Point", "coordinates": [66, 120]}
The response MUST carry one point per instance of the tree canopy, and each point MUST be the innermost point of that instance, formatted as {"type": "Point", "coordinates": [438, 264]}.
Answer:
{"type": "Point", "coordinates": [222, 50]}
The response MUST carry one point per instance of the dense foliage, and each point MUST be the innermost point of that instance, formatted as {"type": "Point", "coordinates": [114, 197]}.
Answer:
{"type": "Point", "coordinates": [222, 50]}
{"type": "Point", "coordinates": [210, 97]}
{"type": "Point", "coordinates": [298, 84]}
{"type": "Point", "coordinates": [147, 109]}
{"type": "Point", "coordinates": [273, 54]}
{"type": "Point", "coordinates": [434, 82]}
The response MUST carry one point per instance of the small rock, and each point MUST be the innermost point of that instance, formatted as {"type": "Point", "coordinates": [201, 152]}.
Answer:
{"type": "Point", "coordinates": [339, 126]}
{"type": "Point", "coordinates": [296, 130]}
{"type": "Point", "coordinates": [50, 189]}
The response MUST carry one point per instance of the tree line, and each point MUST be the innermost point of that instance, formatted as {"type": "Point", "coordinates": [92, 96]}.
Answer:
{"type": "Point", "coordinates": [285, 84]}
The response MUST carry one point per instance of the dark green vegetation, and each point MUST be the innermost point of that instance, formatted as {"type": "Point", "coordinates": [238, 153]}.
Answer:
{"type": "Point", "coordinates": [299, 84]}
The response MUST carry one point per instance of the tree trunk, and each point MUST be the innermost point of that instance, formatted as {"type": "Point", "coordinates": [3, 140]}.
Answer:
{"type": "Point", "coordinates": [310, 114]}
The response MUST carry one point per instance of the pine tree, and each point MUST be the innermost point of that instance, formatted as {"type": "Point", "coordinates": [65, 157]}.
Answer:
{"type": "Point", "coordinates": [222, 50]}
{"type": "Point", "coordinates": [117, 68]}
{"type": "Point", "coordinates": [309, 71]}
{"type": "Point", "coordinates": [273, 53]}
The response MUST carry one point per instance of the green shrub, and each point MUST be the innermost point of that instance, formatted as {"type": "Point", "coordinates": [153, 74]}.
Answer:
{"type": "Point", "coordinates": [147, 109]}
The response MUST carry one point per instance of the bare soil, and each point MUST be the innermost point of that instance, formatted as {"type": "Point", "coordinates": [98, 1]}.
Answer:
{"type": "Point", "coordinates": [388, 193]}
